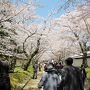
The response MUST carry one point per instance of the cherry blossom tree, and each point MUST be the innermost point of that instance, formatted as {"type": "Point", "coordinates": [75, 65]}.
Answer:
{"type": "Point", "coordinates": [75, 28]}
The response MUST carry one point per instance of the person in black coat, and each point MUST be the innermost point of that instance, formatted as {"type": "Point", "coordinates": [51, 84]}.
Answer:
{"type": "Point", "coordinates": [35, 71]}
{"type": "Point", "coordinates": [83, 72]}
{"type": "Point", "coordinates": [71, 76]}
{"type": "Point", "coordinates": [4, 76]}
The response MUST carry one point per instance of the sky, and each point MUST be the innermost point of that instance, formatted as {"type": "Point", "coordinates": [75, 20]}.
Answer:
{"type": "Point", "coordinates": [47, 6]}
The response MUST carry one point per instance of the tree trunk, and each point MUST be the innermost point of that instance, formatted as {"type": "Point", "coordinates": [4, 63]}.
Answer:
{"type": "Point", "coordinates": [27, 65]}
{"type": "Point", "coordinates": [13, 64]}
{"type": "Point", "coordinates": [32, 55]}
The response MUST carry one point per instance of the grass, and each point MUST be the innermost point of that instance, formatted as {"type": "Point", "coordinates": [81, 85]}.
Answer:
{"type": "Point", "coordinates": [19, 75]}
{"type": "Point", "coordinates": [87, 83]}
{"type": "Point", "coordinates": [88, 72]}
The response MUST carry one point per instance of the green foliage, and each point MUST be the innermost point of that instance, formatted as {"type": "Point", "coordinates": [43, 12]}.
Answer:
{"type": "Point", "coordinates": [88, 72]}
{"type": "Point", "coordinates": [19, 75]}
{"type": "Point", "coordinates": [30, 69]}
{"type": "Point", "coordinates": [14, 82]}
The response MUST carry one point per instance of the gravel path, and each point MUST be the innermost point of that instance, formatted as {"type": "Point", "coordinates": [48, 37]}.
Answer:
{"type": "Point", "coordinates": [32, 84]}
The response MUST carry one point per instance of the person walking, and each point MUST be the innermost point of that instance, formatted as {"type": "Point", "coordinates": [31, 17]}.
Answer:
{"type": "Point", "coordinates": [35, 71]}
{"type": "Point", "coordinates": [4, 76]}
{"type": "Point", "coordinates": [71, 76]}
{"type": "Point", "coordinates": [83, 72]}
{"type": "Point", "coordinates": [50, 79]}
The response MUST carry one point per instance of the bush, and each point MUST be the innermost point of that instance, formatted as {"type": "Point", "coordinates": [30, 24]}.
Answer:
{"type": "Point", "coordinates": [88, 72]}
{"type": "Point", "coordinates": [14, 82]}
{"type": "Point", "coordinates": [19, 75]}
{"type": "Point", "coordinates": [30, 69]}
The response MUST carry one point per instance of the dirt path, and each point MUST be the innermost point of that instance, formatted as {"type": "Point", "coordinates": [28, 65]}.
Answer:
{"type": "Point", "coordinates": [32, 84]}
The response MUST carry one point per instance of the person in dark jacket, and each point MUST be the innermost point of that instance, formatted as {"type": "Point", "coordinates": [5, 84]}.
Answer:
{"type": "Point", "coordinates": [83, 72]}
{"type": "Point", "coordinates": [35, 71]}
{"type": "Point", "coordinates": [59, 66]}
{"type": "Point", "coordinates": [71, 77]}
{"type": "Point", "coordinates": [50, 79]}
{"type": "Point", "coordinates": [4, 76]}
{"type": "Point", "coordinates": [45, 67]}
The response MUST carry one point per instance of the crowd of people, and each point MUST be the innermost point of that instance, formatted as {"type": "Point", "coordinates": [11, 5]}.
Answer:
{"type": "Point", "coordinates": [59, 77]}
{"type": "Point", "coordinates": [55, 77]}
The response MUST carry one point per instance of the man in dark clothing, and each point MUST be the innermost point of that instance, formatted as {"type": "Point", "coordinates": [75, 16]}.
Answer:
{"type": "Point", "coordinates": [39, 66]}
{"type": "Point", "coordinates": [83, 72]}
{"type": "Point", "coordinates": [45, 67]}
{"type": "Point", "coordinates": [59, 66]}
{"type": "Point", "coordinates": [50, 79]}
{"type": "Point", "coordinates": [71, 79]}
{"type": "Point", "coordinates": [4, 76]}
{"type": "Point", "coordinates": [35, 70]}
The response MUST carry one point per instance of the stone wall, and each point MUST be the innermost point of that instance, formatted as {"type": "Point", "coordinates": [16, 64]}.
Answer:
{"type": "Point", "coordinates": [78, 62]}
